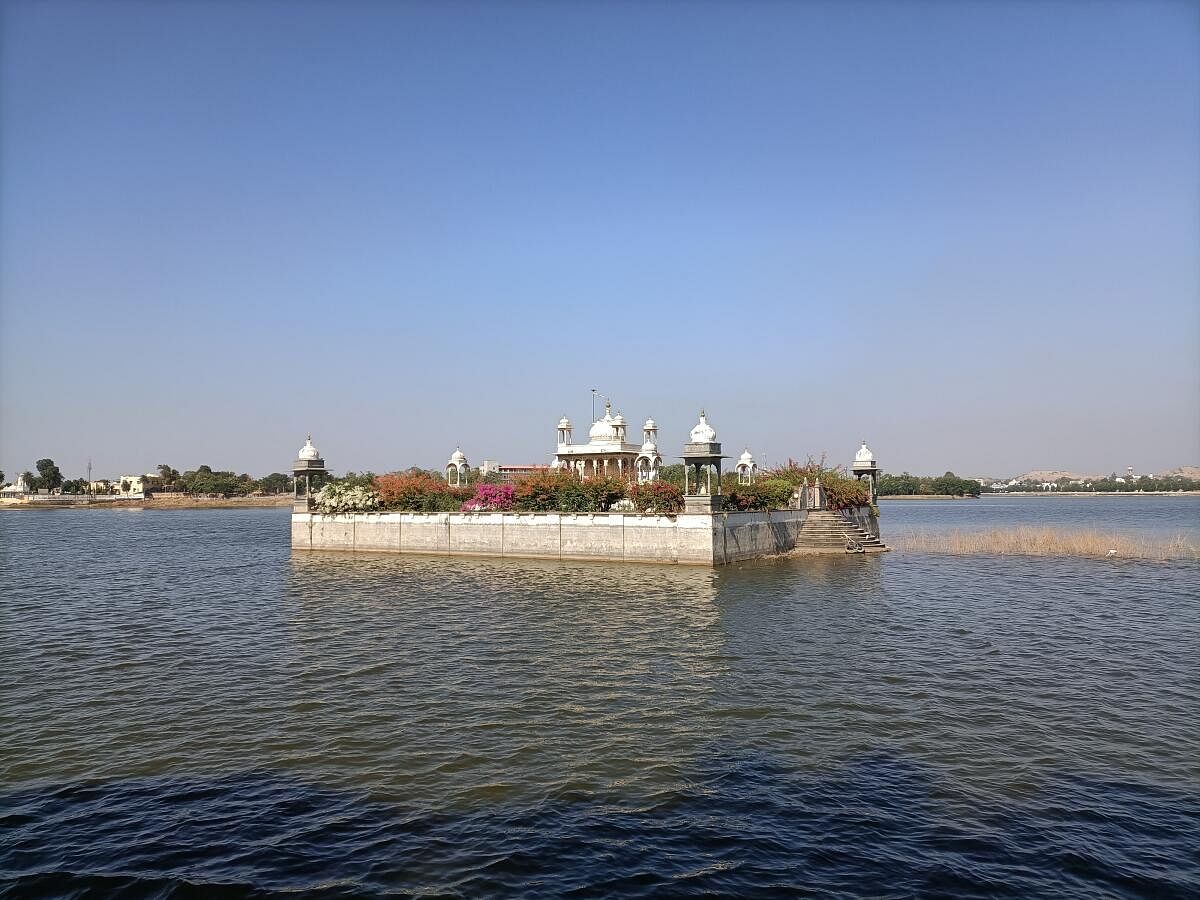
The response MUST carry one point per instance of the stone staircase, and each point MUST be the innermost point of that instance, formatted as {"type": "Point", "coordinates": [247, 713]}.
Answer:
{"type": "Point", "coordinates": [827, 530]}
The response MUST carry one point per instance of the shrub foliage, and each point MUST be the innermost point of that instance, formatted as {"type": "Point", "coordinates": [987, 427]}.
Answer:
{"type": "Point", "coordinates": [657, 497]}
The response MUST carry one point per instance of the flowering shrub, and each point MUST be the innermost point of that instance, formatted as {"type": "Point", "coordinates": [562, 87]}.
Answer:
{"type": "Point", "coordinates": [417, 491]}
{"type": "Point", "coordinates": [659, 497]}
{"type": "Point", "coordinates": [490, 497]}
{"type": "Point", "coordinates": [559, 491]}
{"type": "Point", "coordinates": [843, 493]}
{"type": "Point", "coordinates": [841, 490]}
{"type": "Point", "coordinates": [337, 497]}
{"type": "Point", "coordinates": [555, 491]}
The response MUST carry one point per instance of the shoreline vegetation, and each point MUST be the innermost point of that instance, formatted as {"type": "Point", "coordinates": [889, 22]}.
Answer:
{"type": "Point", "coordinates": [162, 501]}
{"type": "Point", "coordinates": [1043, 541]}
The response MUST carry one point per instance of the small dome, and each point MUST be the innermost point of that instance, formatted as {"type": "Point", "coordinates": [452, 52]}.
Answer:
{"type": "Point", "coordinates": [564, 422]}
{"type": "Point", "coordinates": [649, 447]}
{"type": "Point", "coordinates": [308, 451]}
{"type": "Point", "coordinates": [864, 454]}
{"type": "Point", "coordinates": [746, 458]}
{"type": "Point", "coordinates": [650, 425]}
{"type": "Point", "coordinates": [618, 419]}
{"type": "Point", "coordinates": [703, 433]}
{"type": "Point", "coordinates": [458, 456]}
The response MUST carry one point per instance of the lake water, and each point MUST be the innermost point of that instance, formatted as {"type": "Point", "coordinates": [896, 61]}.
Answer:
{"type": "Point", "coordinates": [1150, 515]}
{"type": "Point", "coordinates": [187, 708]}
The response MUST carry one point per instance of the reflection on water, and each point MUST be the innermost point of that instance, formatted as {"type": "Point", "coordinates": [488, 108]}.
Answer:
{"type": "Point", "coordinates": [186, 700]}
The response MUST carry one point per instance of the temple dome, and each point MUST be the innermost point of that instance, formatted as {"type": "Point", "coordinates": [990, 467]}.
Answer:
{"type": "Point", "coordinates": [308, 451]}
{"type": "Point", "coordinates": [564, 422]}
{"type": "Point", "coordinates": [649, 447]}
{"type": "Point", "coordinates": [703, 433]}
{"type": "Point", "coordinates": [864, 454]}
{"type": "Point", "coordinates": [747, 457]}
{"type": "Point", "coordinates": [650, 425]}
{"type": "Point", "coordinates": [602, 429]}
{"type": "Point", "coordinates": [618, 419]}
{"type": "Point", "coordinates": [458, 456]}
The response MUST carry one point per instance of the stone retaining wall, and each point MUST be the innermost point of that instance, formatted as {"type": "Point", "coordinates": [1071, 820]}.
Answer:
{"type": "Point", "coordinates": [690, 539]}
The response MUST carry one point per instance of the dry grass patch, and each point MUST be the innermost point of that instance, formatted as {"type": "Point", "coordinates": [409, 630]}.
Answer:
{"type": "Point", "coordinates": [1048, 542]}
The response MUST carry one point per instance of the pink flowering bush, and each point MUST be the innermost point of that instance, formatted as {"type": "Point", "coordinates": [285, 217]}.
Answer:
{"type": "Point", "coordinates": [490, 498]}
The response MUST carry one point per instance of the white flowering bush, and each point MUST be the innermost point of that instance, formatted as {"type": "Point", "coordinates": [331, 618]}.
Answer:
{"type": "Point", "coordinates": [341, 498]}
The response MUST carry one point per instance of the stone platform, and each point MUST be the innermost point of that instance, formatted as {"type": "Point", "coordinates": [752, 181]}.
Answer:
{"type": "Point", "coordinates": [714, 539]}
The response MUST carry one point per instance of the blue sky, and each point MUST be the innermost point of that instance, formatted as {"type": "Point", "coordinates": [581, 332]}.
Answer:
{"type": "Point", "coordinates": [966, 232]}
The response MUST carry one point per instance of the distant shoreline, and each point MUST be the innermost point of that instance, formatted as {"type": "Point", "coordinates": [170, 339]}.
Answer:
{"type": "Point", "coordinates": [162, 502]}
{"type": "Point", "coordinates": [1045, 495]}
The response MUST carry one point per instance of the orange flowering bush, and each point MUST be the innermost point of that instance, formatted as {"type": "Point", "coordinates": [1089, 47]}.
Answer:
{"type": "Point", "coordinates": [419, 492]}
{"type": "Point", "coordinates": [555, 491]}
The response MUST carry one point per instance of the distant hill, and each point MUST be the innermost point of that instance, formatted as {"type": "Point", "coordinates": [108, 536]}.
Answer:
{"type": "Point", "coordinates": [1185, 471]}
{"type": "Point", "coordinates": [1055, 474]}
{"type": "Point", "coordinates": [1052, 475]}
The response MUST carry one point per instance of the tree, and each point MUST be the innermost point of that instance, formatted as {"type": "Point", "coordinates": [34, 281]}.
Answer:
{"type": "Point", "coordinates": [2, 481]}
{"type": "Point", "coordinates": [672, 474]}
{"type": "Point", "coordinates": [49, 474]}
{"type": "Point", "coordinates": [890, 485]}
{"type": "Point", "coordinates": [205, 481]}
{"type": "Point", "coordinates": [275, 483]}
{"type": "Point", "coordinates": [168, 477]}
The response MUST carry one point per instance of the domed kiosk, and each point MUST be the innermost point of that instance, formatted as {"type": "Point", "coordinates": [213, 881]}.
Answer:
{"type": "Point", "coordinates": [747, 468]}
{"type": "Point", "coordinates": [701, 457]}
{"type": "Point", "coordinates": [307, 466]}
{"type": "Point", "coordinates": [865, 465]}
{"type": "Point", "coordinates": [457, 468]}
{"type": "Point", "coordinates": [649, 460]}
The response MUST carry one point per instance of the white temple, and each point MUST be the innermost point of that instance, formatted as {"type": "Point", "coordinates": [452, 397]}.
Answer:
{"type": "Point", "coordinates": [608, 450]}
{"type": "Point", "coordinates": [21, 487]}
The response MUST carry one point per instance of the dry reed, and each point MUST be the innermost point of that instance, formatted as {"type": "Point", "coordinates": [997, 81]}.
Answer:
{"type": "Point", "coordinates": [1026, 541]}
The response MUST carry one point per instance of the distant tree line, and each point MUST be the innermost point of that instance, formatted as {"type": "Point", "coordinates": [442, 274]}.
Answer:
{"type": "Point", "coordinates": [1111, 484]}
{"type": "Point", "coordinates": [206, 480]}
{"type": "Point", "coordinates": [202, 480]}
{"type": "Point", "coordinates": [949, 484]}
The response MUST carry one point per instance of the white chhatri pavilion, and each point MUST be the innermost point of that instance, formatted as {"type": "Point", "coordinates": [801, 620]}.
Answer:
{"type": "Point", "coordinates": [864, 464]}
{"type": "Point", "coordinates": [456, 468]}
{"type": "Point", "coordinates": [649, 460]}
{"type": "Point", "coordinates": [747, 468]}
{"type": "Point", "coordinates": [701, 459]}
{"type": "Point", "coordinates": [307, 466]}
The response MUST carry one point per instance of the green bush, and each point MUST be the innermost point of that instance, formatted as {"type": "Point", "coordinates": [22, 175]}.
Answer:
{"type": "Point", "coordinates": [771, 493]}
{"type": "Point", "coordinates": [603, 492]}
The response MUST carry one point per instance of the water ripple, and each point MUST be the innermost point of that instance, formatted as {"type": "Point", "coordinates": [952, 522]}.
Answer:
{"type": "Point", "coordinates": [188, 708]}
